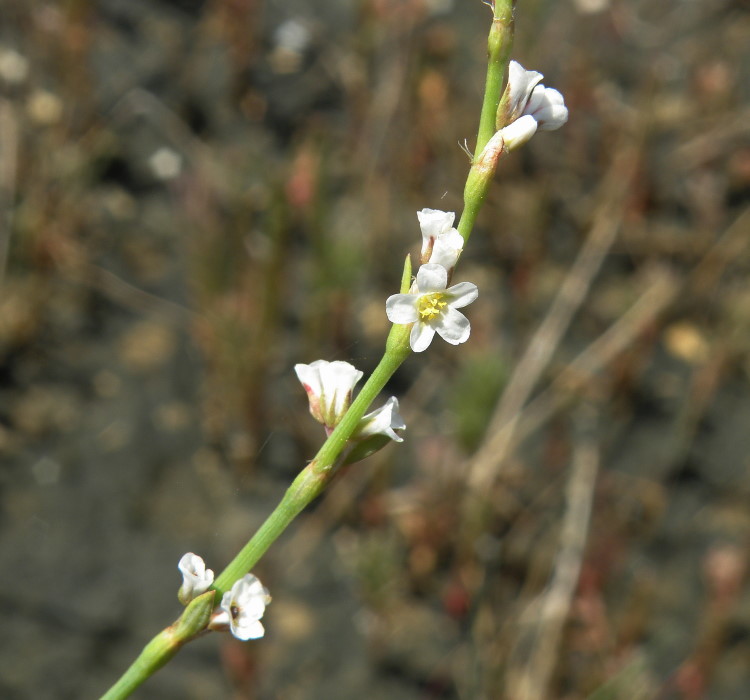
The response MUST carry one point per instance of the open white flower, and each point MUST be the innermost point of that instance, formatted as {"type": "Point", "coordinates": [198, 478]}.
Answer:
{"type": "Point", "coordinates": [196, 578]}
{"type": "Point", "coordinates": [242, 608]}
{"type": "Point", "coordinates": [383, 421]}
{"type": "Point", "coordinates": [530, 106]}
{"type": "Point", "coordinates": [441, 243]}
{"type": "Point", "coordinates": [432, 308]}
{"type": "Point", "coordinates": [329, 387]}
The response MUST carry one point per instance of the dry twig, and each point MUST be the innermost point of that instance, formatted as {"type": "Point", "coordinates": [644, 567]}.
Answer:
{"type": "Point", "coordinates": [8, 173]}
{"type": "Point", "coordinates": [547, 614]}
{"type": "Point", "coordinates": [504, 422]}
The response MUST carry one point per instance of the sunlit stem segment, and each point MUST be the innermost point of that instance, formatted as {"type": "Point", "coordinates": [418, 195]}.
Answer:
{"type": "Point", "coordinates": [164, 646]}
{"type": "Point", "coordinates": [489, 144]}
{"type": "Point", "coordinates": [499, 45]}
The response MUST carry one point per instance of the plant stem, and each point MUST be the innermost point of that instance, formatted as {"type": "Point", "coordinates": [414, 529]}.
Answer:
{"type": "Point", "coordinates": [499, 45]}
{"type": "Point", "coordinates": [154, 655]}
{"type": "Point", "coordinates": [164, 646]}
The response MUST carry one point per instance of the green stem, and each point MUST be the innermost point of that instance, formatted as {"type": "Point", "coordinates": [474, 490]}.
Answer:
{"type": "Point", "coordinates": [164, 646]}
{"type": "Point", "coordinates": [154, 655]}
{"type": "Point", "coordinates": [499, 45]}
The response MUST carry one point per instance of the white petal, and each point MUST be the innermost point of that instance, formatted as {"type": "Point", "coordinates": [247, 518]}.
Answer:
{"type": "Point", "coordinates": [254, 607]}
{"type": "Point", "coordinates": [402, 308]}
{"type": "Point", "coordinates": [448, 247]}
{"type": "Point", "coordinates": [309, 377]}
{"type": "Point", "coordinates": [536, 99]}
{"type": "Point", "coordinates": [254, 587]}
{"type": "Point", "coordinates": [521, 83]}
{"type": "Point", "coordinates": [553, 117]}
{"type": "Point", "coordinates": [196, 579]}
{"type": "Point", "coordinates": [519, 132]}
{"type": "Point", "coordinates": [431, 278]}
{"type": "Point", "coordinates": [547, 106]}
{"type": "Point", "coordinates": [226, 599]}
{"type": "Point", "coordinates": [433, 222]}
{"type": "Point", "coordinates": [338, 380]}
{"type": "Point", "coordinates": [245, 604]}
{"type": "Point", "coordinates": [252, 630]}
{"type": "Point", "coordinates": [453, 327]}
{"type": "Point", "coordinates": [329, 387]}
{"type": "Point", "coordinates": [397, 421]}
{"type": "Point", "coordinates": [338, 375]}
{"type": "Point", "coordinates": [462, 294]}
{"type": "Point", "coordinates": [220, 621]}
{"type": "Point", "coordinates": [191, 565]}
{"type": "Point", "coordinates": [421, 336]}
{"type": "Point", "coordinates": [384, 421]}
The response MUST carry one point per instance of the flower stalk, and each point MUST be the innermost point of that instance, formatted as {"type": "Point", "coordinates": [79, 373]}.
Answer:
{"type": "Point", "coordinates": [417, 314]}
{"type": "Point", "coordinates": [489, 146]}
{"type": "Point", "coordinates": [499, 45]}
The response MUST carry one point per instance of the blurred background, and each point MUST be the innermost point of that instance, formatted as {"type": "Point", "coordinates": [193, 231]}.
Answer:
{"type": "Point", "coordinates": [198, 194]}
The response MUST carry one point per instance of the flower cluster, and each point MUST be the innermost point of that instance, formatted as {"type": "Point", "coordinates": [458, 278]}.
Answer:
{"type": "Point", "coordinates": [430, 305]}
{"type": "Point", "coordinates": [329, 387]}
{"type": "Point", "coordinates": [240, 609]}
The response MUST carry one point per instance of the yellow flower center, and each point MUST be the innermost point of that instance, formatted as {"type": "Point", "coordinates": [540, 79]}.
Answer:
{"type": "Point", "coordinates": [430, 306]}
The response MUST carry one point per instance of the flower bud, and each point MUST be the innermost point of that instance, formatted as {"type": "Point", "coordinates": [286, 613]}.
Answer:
{"type": "Point", "coordinates": [196, 578]}
{"type": "Point", "coordinates": [329, 387]}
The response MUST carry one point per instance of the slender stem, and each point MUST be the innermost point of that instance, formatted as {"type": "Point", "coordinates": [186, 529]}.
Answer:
{"type": "Point", "coordinates": [154, 655]}
{"type": "Point", "coordinates": [316, 476]}
{"type": "Point", "coordinates": [499, 45]}
{"type": "Point", "coordinates": [489, 146]}
{"type": "Point", "coordinates": [164, 646]}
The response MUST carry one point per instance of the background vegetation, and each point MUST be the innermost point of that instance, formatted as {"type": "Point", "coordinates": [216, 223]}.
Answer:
{"type": "Point", "coordinates": [195, 195]}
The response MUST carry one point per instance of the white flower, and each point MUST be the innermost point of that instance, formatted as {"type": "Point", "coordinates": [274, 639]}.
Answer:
{"type": "Point", "coordinates": [441, 243]}
{"type": "Point", "coordinates": [432, 308]}
{"type": "Point", "coordinates": [383, 421]}
{"type": "Point", "coordinates": [447, 249]}
{"type": "Point", "coordinates": [196, 578]}
{"type": "Point", "coordinates": [242, 608]}
{"type": "Point", "coordinates": [329, 387]}
{"type": "Point", "coordinates": [531, 106]}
